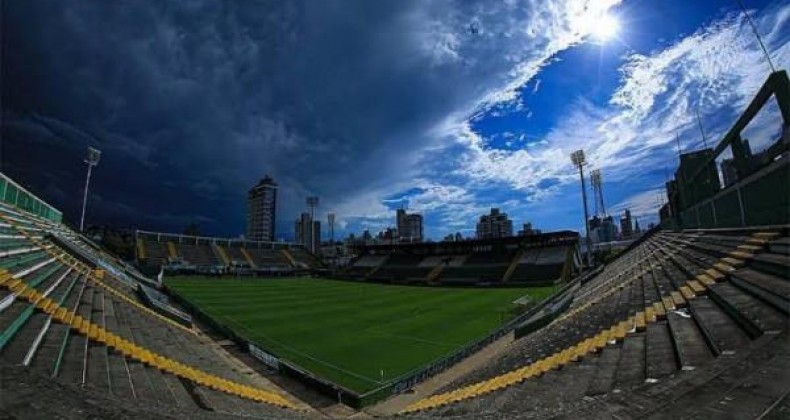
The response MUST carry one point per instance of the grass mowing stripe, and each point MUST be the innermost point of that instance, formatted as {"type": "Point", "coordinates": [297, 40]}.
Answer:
{"type": "Point", "coordinates": [348, 332]}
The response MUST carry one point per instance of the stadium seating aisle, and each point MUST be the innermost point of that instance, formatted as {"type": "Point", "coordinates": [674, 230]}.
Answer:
{"type": "Point", "coordinates": [61, 319]}
{"type": "Point", "coordinates": [677, 304]}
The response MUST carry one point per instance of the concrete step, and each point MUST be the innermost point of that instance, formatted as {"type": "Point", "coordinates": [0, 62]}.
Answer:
{"type": "Point", "coordinates": [631, 369]}
{"type": "Point", "coordinates": [605, 371]}
{"type": "Point", "coordinates": [780, 246]}
{"type": "Point", "coordinates": [776, 264]}
{"type": "Point", "coordinates": [659, 351]}
{"type": "Point", "coordinates": [754, 315]}
{"type": "Point", "coordinates": [691, 348]}
{"type": "Point", "coordinates": [723, 334]}
{"type": "Point", "coordinates": [770, 288]}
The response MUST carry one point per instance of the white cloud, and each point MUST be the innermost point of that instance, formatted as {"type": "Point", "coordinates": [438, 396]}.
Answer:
{"type": "Point", "coordinates": [656, 99]}
{"type": "Point", "coordinates": [643, 205]}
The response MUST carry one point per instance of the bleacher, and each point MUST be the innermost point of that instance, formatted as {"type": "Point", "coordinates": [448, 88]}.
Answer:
{"type": "Point", "coordinates": [478, 267]}
{"type": "Point", "coordinates": [537, 260]}
{"type": "Point", "coordinates": [237, 256]}
{"type": "Point", "coordinates": [67, 321]}
{"type": "Point", "coordinates": [301, 255]}
{"type": "Point", "coordinates": [402, 267]}
{"type": "Point", "coordinates": [200, 255]}
{"type": "Point", "coordinates": [655, 330]}
{"type": "Point", "coordinates": [269, 258]}
{"type": "Point", "coordinates": [187, 254]}
{"type": "Point", "coordinates": [540, 266]}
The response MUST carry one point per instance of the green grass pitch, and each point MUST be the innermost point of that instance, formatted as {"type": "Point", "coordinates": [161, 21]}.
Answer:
{"type": "Point", "coordinates": [348, 332]}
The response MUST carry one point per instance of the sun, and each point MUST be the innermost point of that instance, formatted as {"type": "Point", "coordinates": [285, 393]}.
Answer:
{"type": "Point", "coordinates": [604, 28]}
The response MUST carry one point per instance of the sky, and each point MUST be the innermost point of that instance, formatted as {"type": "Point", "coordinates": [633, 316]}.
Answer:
{"type": "Point", "coordinates": [447, 108]}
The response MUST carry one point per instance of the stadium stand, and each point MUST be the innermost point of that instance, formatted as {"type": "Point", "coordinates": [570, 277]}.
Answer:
{"type": "Point", "coordinates": [541, 265]}
{"type": "Point", "coordinates": [402, 268]}
{"type": "Point", "coordinates": [184, 253]}
{"type": "Point", "coordinates": [691, 322]}
{"type": "Point", "coordinates": [66, 317]}
{"type": "Point", "coordinates": [537, 261]}
{"type": "Point", "coordinates": [269, 258]}
{"type": "Point", "coordinates": [677, 304]}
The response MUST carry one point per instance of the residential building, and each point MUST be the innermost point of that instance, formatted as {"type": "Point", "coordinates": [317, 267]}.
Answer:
{"type": "Point", "coordinates": [527, 230]}
{"type": "Point", "coordinates": [307, 232]}
{"type": "Point", "coordinates": [409, 226]}
{"type": "Point", "coordinates": [261, 210]}
{"type": "Point", "coordinates": [494, 225]}
{"type": "Point", "coordinates": [626, 226]}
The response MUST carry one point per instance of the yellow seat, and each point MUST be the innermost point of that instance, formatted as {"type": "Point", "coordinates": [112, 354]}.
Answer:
{"type": "Point", "coordinates": [650, 314]}
{"type": "Point", "coordinates": [731, 262]}
{"type": "Point", "coordinates": [687, 293]}
{"type": "Point", "coordinates": [59, 313]}
{"type": "Point", "coordinates": [76, 321]}
{"type": "Point", "coordinates": [19, 288]}
{"type": "Point", "coordinates": [696, 287]}
{"type": "Point", "coordinates": [765, 235]}
{"type": "Point", "coordinates": [49, 307]}
{"type": "Point", "coordinates": [706, 280]}
{"type": "Point", "coordinates": [640, 321]}
{"type": "Point", "coordinates": [716, 275]}
{"type": "Point", "coordinates": [677, 299]}
{"type": "Point", "coordinates": [669, 303]}
{"type": "Point", "coordinates": [620, 331]}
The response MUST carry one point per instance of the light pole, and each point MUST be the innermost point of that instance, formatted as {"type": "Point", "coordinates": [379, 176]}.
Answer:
{"type": "Point", "coordinates": [92, 160]}
{"type": "Point", "coordinates": [578, 160]}
{"type": "Point", "coordinates": [331, 219]}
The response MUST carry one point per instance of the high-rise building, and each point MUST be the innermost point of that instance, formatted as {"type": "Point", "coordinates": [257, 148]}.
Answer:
{"type": "Point", "coordinates": [409, 226]}
{"type": "Point", "coordinates": [261, 209]}
{"type": "Point", "coordinates": [527, 230]}
{"type": "Point", "coordinates": [626, 227]}
{"type": "Point", "coordinates": [729, 172]}
{"type": "Point", "coordinates": [602, 229]}
{"type": "Point", "coordinates": [494, 225]}
{"type": "Point", "coordinates": [307, 232]}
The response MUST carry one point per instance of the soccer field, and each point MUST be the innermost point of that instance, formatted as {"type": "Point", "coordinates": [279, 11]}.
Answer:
{"type": "Point", "coordinates": [349, 332]}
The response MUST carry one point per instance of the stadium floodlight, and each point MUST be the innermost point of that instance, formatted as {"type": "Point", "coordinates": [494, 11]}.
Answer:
{"type": "Point", "coordinates": [597, 184]}
{"type": "Point", "coordinates": [578, 160]}
{"type": "Point", "coordinates": [331, 219]}
{"type": "Point", "coordinates": [92, 160]}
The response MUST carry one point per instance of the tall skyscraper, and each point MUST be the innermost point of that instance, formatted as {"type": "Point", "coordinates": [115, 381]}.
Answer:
{"type": "Point", "coordinates": [307, 232]}
{"type": "Point", "coordinates": [626, 227]}
{"type": "Point", "coordinates": [409, 226]}
{"type": "Point", "coordinates": [261, 210]}
{"type": "Point", "coordinates": [494, 225]}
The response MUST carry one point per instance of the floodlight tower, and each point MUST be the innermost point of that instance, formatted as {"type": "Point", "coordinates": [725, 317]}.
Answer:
{"type": "Point", "coordinates": [312, 203]}
{"type": "Point", "coordinates": [578, 160]}
{"type": "Point", "coordinates": [92, 160]}
{"type": "Point", "coordinates": [331, 219]}
{"type": "Point", "coordinates": [597, 184]}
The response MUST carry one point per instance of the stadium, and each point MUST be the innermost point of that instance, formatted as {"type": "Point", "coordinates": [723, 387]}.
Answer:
{"type": "Point", "coordinates": [688, 319]}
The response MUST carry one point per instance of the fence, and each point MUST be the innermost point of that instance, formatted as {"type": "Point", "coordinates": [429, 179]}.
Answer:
{"type": "Point", "coordinates": [760, 199]}
{"type": "Point", "coordinates": [13, 194]}
{"type": "Point", "coordinates": [756, 188]}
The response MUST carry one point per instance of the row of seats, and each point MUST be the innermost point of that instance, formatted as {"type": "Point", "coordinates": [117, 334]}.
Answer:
{"type": "Point", "coordinates": [205, 254]}
{"type": "Point", "coordinates": [527, 266]}
{"type": "Point", "coordinates": [670, 307]}
{"type": "Point", "coordinates": [83, 326]}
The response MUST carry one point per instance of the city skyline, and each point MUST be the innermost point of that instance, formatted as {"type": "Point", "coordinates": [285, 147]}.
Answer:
{"type": "Point", "coordinates": [461, 111]}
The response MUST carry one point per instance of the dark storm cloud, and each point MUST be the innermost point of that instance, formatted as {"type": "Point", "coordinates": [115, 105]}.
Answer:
{"type": "Point", "coordinates": [192, 102]}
